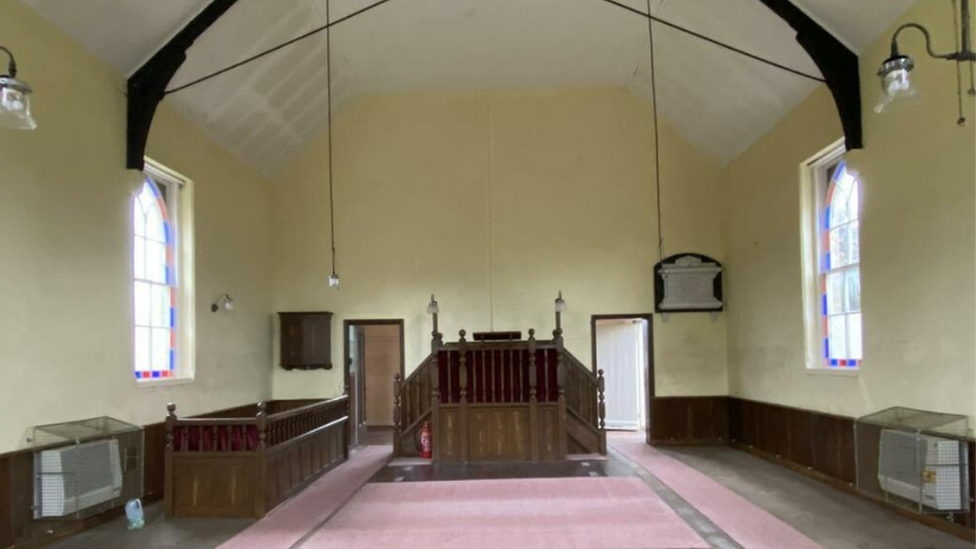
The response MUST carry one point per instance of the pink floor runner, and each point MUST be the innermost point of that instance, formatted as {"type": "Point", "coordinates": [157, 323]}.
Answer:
{"type": "Point", "coordinates": [747, 524]}
{"type": "Point", "coordinates": [292, 520]}
{"type": "Point", "coordinates": [564, 513]}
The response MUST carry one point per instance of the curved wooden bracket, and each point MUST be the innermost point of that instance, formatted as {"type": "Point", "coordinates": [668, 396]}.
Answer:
{"type": "Point", "coordinates": [837, 63]}
{"type": "Point", "coordinates": [147, 86]}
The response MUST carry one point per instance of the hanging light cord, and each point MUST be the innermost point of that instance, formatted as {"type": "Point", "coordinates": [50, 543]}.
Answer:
{"type": "Point", "coordinates": [957, 27]}
{"type": "Point", "coordinates": [328, 78]}
{"type": "Point", "coordinates": [657, 140]}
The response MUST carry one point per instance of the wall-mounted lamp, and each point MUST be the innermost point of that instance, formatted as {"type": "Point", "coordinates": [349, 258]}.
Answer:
{"type": "Point", "coordinates": [224, 302]}
{"type": "Point", "coordinates": [898, 91]}
{"type": "Point", "coordinates": [15, 108]}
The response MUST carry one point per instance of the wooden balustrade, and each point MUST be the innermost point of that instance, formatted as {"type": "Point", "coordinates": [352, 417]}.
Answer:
{"type": "Point", "coordinates": [244, 466]}
{"type": "Point", "coordinates": [473, 393]}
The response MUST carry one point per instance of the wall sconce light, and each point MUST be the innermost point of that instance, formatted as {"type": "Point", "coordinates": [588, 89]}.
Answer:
{"type": "Point", "coordinates": [15, 108]}
{"type": "Point", "coordinates": [224, 302]}
{"type": "Point", "coordinates": [898, 91]}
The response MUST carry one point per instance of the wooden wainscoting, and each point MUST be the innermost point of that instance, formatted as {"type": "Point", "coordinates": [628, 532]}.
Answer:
{"type": "Point", "coordinates": [677, 421]}
{"type": "Point", "coordinates": [822, 446]}
{"type": "Point", "coordinates": [821, 442]}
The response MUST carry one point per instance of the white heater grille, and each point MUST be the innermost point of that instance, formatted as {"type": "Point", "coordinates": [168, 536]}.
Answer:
{"type": "Point", "coordinates": [76, 477]}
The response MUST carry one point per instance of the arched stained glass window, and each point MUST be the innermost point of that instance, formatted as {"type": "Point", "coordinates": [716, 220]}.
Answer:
{"type": "Point", "coordinates": [155, 284]}
{"type": "Point", "coordinates": [841, 271]}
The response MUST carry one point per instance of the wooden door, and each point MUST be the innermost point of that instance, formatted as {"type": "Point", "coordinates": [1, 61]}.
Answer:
{"type": "Point", "coordinates": [357, 383]}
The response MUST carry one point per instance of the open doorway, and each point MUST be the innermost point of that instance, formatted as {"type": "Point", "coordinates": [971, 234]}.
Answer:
{"type": "Point", "coordinates": [622, 348]}
{"type": "Point", "coordinates": [373, 354]}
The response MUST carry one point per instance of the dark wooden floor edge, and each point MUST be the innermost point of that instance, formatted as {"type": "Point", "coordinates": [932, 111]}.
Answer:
{"type": "Point", "coordinates": [942, 525]}
{"type": "Point", "coordinates": [706, 529]}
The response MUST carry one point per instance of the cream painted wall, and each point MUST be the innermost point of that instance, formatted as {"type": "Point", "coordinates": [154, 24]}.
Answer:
{"type": "Point", "coordinates": [918, 251]}
{"type": "Point", "coordinates": [496, 201]}
{"type": "Point", "coordinates": [65, 292]}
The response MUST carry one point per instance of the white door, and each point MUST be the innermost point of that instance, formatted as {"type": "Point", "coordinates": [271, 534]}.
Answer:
{"type": "Point", "coordinates": [622, 354]}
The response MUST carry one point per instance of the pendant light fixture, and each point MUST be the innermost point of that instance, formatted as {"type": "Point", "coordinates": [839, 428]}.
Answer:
{"type": "Point", "coordinates": [15, 107]}
{"type": "Point", "coordinates": [657, 133]}
{"type": "Point", "coordinates": [334, 277]}
{"type": "Point", "coordinates": [897, 89]}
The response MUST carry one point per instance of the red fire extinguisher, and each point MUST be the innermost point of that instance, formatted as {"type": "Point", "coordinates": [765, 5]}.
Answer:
{"type": "Point", "coordinates": [425, 443]}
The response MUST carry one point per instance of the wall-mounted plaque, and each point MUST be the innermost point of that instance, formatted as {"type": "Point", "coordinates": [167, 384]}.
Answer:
{"type": "Point", "coordinates": [688, 283]}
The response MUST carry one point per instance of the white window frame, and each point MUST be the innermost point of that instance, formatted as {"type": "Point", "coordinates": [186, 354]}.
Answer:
{"type": "Point", "coordinates": [813, 190]}
{"type": "Point", "coordinates": [179, 204]}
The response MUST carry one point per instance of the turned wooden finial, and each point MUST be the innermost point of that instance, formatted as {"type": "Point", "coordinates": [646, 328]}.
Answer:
{"type": "Point", "coordinates": [171, 408]}
{"type": "Point", "coordinates": [462, 333]}
{"type": "Point", "coordinates": [531, 333]}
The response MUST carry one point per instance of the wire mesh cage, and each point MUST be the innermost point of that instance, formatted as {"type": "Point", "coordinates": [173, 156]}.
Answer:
{"type": "Point", "coordinates": [915, 459]}
{"type": "Point", "coordinates": [83, 468]}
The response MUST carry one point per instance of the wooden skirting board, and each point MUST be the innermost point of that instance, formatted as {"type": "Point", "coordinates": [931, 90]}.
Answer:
{"type": "Point", "coordinates": [816, 444]}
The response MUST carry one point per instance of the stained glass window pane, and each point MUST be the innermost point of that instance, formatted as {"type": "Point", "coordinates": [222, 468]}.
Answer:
{"type": "Point", "coordinates": [852, 290]}
{"type": "Point", "coordinates": [152, 288]}
{"type": "Point", "coordinates": [139, 257]}
{"type": "Point", "coordinates": [160, 349]}
{"type": "Point", "coordinates": [147, 199]}
{"type": "Point", "coordinates": [843, 186]}
{"type": "Point", "coordinates": [154, 225]}
{"type": "Point", "coordinates": [142, 348]}
{"type": "Point", "coordinates": [840, 247]}
{"type": "Point", "coordinates": [156, 262]}
{"type": "Point", "coordinates": [160, 306]}
{"type": "Point", "coordinates": [855, 242]}
{"type": "Point", "coordinates": [837, 331]}
{"type": "Point", "coordinates": [835, 293]}
{"type": "Point", "coordinates": [143, 303]}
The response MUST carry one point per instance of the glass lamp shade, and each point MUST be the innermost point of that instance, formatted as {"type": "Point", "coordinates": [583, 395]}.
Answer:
{"type": "Point", "coordinates": [334, 281]}
{"type": "Point", "coordinates": [15, 108]}
{"type": "Point", "coordinates": [433, 308]}
{"type": "Point", "coordinates": [560, 304]}
{"type": "Point", "coordinates": [897, 91]}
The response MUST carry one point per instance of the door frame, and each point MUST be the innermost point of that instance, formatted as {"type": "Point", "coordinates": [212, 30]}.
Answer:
{"type": "Point", "coordinates": [346, 359]}
{"type": "Point", "coordinates": [649, 390]}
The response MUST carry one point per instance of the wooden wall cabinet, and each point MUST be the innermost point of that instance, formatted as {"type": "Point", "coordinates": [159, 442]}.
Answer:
{"type": "Point", "coordinates": [306, 341]}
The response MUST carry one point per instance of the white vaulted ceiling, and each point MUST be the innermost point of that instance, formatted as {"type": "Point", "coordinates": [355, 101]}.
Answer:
{"type": "Point", "coordinates": [263, 112]}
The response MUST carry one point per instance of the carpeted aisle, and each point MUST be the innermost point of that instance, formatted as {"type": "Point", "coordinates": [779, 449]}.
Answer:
{"type": "Point", "coordinates": [748, 525]}
{"type": "Point", "coordinates": [291, 521]}
{"type": "Point", "coordinates": [563, 513]}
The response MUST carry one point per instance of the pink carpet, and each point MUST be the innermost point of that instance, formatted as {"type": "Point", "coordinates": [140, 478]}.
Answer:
{"type": "Point", "coordinates": [290, 521]}
{"type": "Point", "coordinates": [747, 524]}
{"type": "Point", "coordinates": [564, 513]}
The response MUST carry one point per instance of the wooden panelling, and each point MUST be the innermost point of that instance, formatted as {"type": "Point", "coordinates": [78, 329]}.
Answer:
{"type": "Point", "coordinates": [499, 433]}
{"type": "Point", "coordinates": [155, 455]}
{"type": "Point", "coordinates": [208, 474]}
{"type": "Point", "coordinates": [821, 442]}
{"type": "Point", "coordinates": [689, 420]}
{"type": "Point", "coordinates": [212, 484]}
